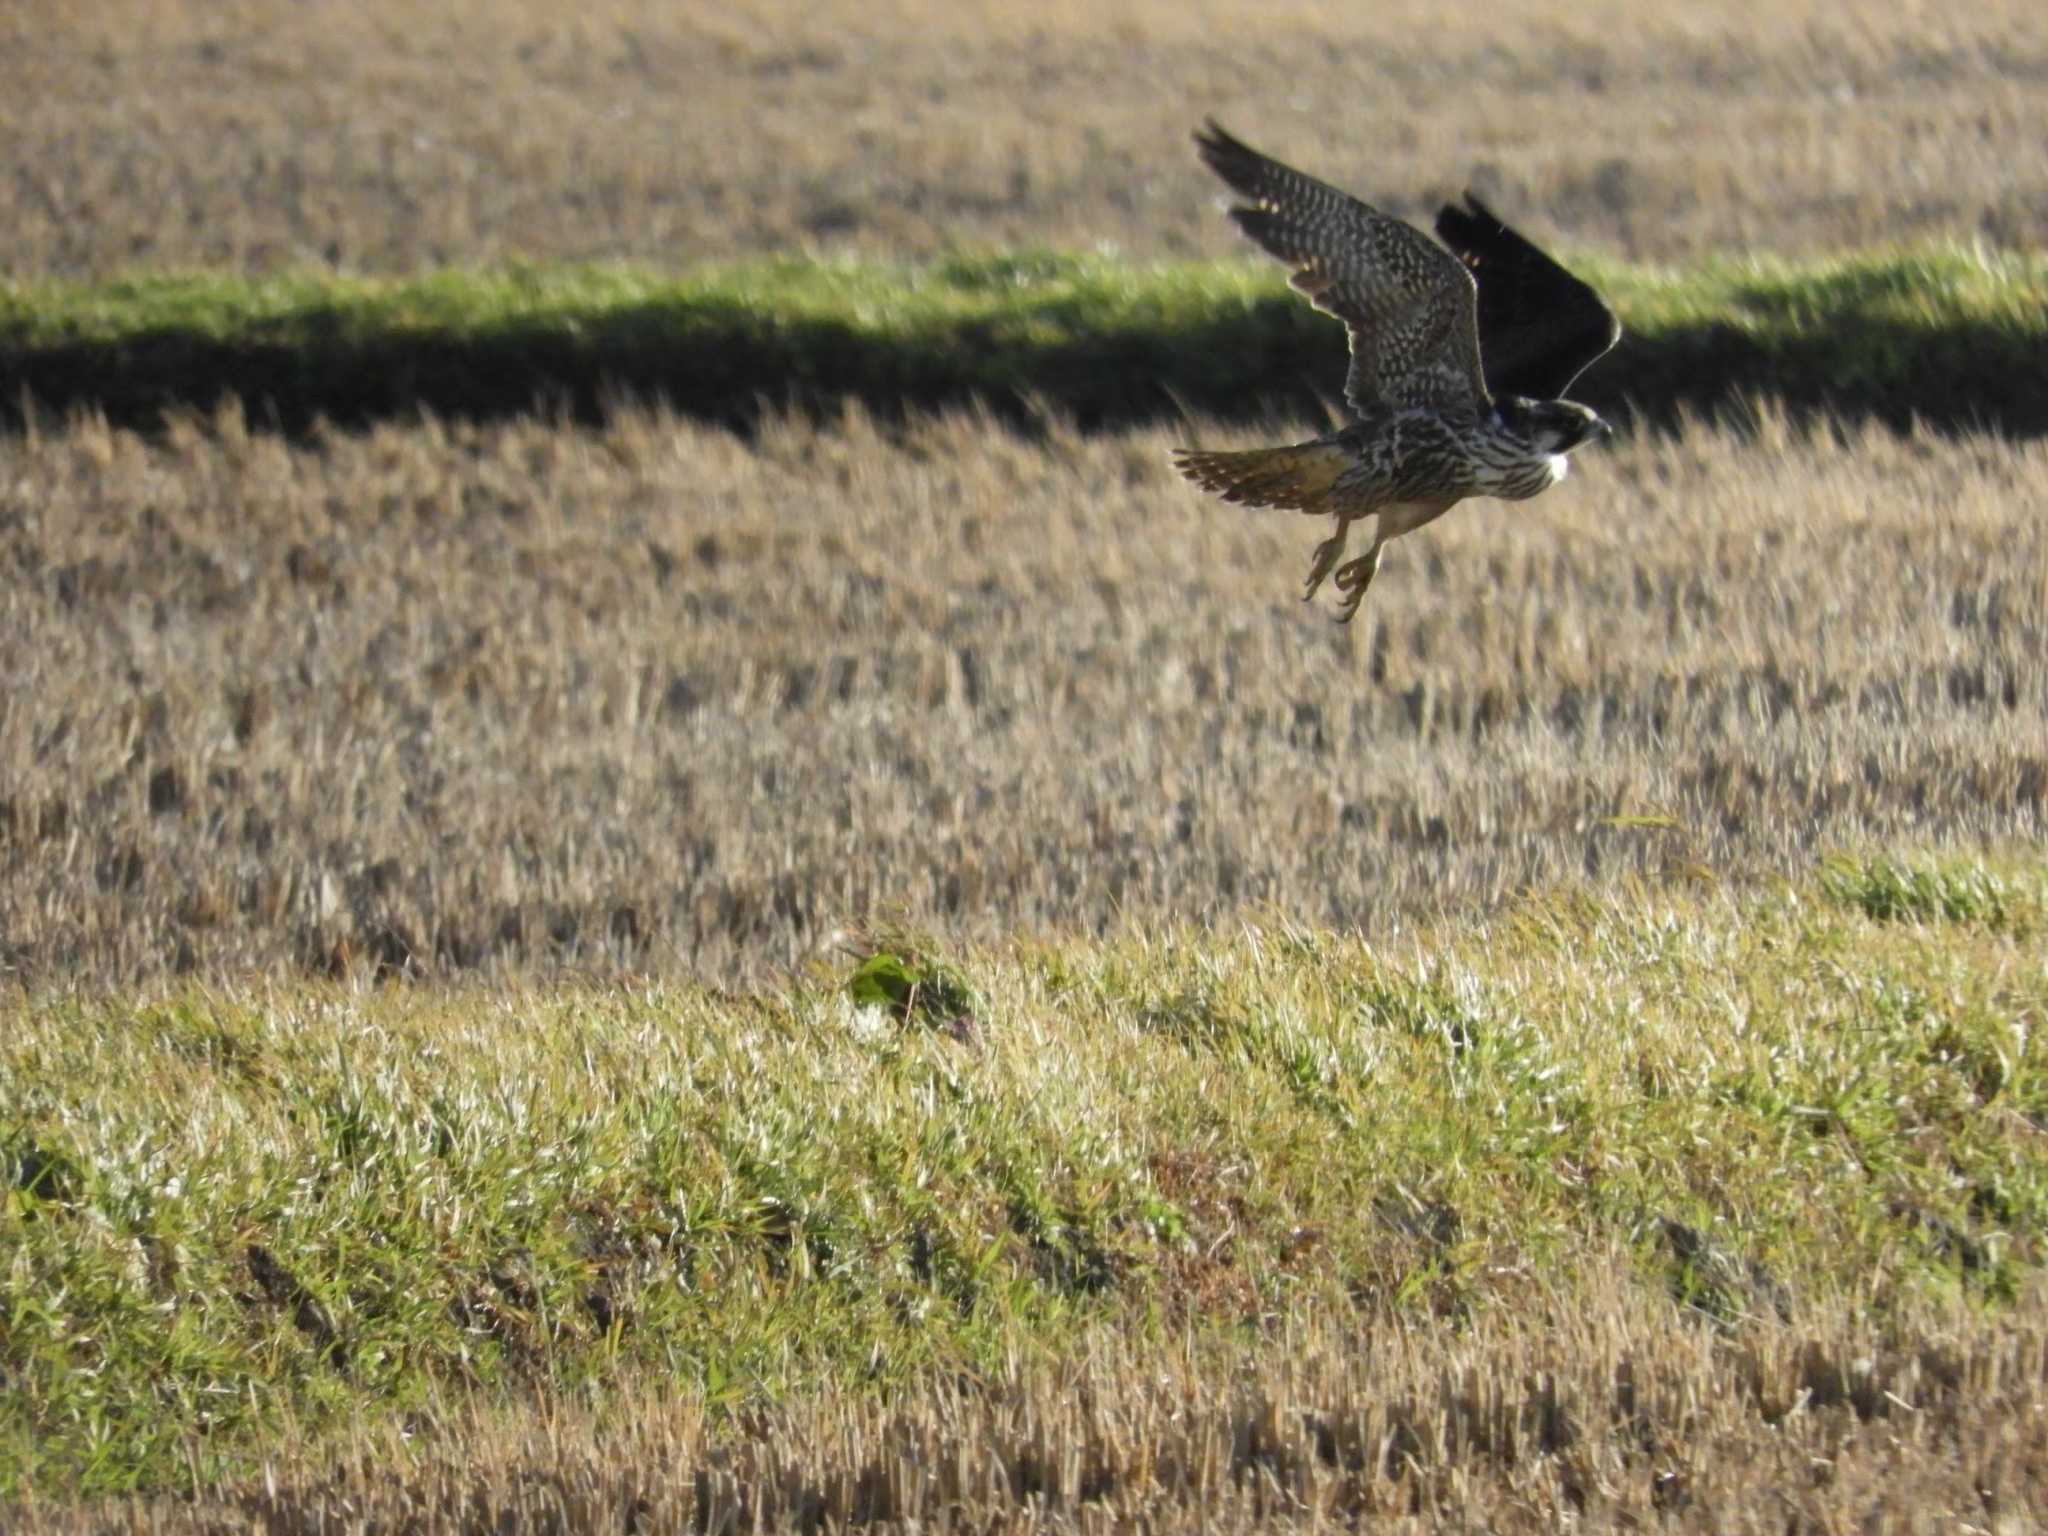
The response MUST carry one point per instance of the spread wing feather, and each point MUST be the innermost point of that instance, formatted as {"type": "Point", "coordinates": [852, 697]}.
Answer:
{"type": "Point", "coordinates": [1539, 326]}
{"type": "Point", "coordinates": [1408, 304]}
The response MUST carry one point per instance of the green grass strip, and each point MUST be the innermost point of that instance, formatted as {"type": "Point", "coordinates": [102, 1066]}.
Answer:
{"type": "Point", "coordinates": [225, 1218]}
{"type": "Point", "coordinates": [1948, 334]}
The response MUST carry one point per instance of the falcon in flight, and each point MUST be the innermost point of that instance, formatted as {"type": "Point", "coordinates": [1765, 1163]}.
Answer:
{"type": "Point", "coordinates": [1430, 425]}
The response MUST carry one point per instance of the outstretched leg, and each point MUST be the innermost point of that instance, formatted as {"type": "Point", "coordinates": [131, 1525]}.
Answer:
{"type": "Point", "coordinates": [1354, 578]}
{"type": "Point", "coordinates": [1327, 554]}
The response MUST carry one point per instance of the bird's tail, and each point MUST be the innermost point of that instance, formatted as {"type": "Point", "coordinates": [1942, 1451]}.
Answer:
{"type": "Point", "coordinates": [1299, 477]}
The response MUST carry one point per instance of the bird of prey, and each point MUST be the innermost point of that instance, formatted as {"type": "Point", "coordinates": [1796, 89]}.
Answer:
{"type": "Point", "coordinates": [1457, 362]}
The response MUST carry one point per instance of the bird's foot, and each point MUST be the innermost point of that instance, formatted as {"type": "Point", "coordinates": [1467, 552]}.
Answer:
{"type": "Point", "coordinates": [1352, 580]}
{"type": "Point", "coordinates": [1327, 554]}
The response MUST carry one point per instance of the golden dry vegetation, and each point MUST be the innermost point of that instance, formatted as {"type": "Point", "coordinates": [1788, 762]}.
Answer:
{"type": "Point", "coordinates": [1613, 1417]}
{"type": "Point", "coordinates": [658, 698]}
{"type": "Point", "coordinates": [391, 136]}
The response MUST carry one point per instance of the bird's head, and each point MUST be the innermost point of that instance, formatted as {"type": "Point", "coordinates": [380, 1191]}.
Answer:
{"type": "Point", "coordinates": [1551, 426]}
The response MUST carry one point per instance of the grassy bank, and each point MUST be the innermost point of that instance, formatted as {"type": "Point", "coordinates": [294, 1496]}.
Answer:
{"type": "Point", "coordinates": [1951, 335]}
{"type": "Point", "coordinates": [243, 1220]}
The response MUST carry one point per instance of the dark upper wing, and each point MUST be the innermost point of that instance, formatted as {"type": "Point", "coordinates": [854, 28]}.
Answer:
{"type": "Point", "coordinates": [1539, 327]}
{"type": "Point", "coordinates": [1407, 304]}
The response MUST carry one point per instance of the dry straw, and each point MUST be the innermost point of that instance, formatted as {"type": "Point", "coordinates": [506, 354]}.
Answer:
{"type": "Point", "coordinates": [653, 698]}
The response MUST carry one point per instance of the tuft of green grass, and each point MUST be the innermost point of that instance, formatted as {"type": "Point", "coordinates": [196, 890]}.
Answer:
{"type": "Point", "coordinates": [1946, 333]}
{"type": "Point", "coordinates": [231, 1216]}
{"type": "Point", "coordinates": [1888, 891]}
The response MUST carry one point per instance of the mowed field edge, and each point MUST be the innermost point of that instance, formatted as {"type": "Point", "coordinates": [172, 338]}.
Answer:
{"type": "Point", "coordinates": [1952, 335]}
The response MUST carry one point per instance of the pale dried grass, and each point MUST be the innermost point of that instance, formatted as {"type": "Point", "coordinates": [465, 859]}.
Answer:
{"type": "Point", "coordinates": [1612, 1416]}
{"type": "Point", "coordinates": [654, 697]}
{"type": "Point", "coordinates": [389, 136]}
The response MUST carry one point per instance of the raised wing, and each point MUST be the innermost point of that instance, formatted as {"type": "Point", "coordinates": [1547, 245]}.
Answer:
{"type": "Point", "coordinates": [1407, 302]}
{"type": "Point", "coordinates": [1539, 327]}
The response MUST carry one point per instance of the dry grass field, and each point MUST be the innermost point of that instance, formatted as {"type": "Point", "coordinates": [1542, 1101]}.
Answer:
{"type": "Point", "coordinates": [392, 136]}
{"type": "Point", "coordinates": [653, 698]}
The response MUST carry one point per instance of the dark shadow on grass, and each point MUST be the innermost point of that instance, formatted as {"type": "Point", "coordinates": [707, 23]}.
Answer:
{"type": "Point", "coordinates": [726, 364]}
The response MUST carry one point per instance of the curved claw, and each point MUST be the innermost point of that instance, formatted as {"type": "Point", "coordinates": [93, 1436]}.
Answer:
{"type": "Point", "coordinates": [1353, 579]}
{"type": "Point", "coordinates": [1327, 554]}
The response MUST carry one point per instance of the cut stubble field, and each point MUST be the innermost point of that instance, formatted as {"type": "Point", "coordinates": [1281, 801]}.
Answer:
{"type": "Point", "coordinates": [652, 698]}
{"type": "Point", "coordinates": [266, 134]}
